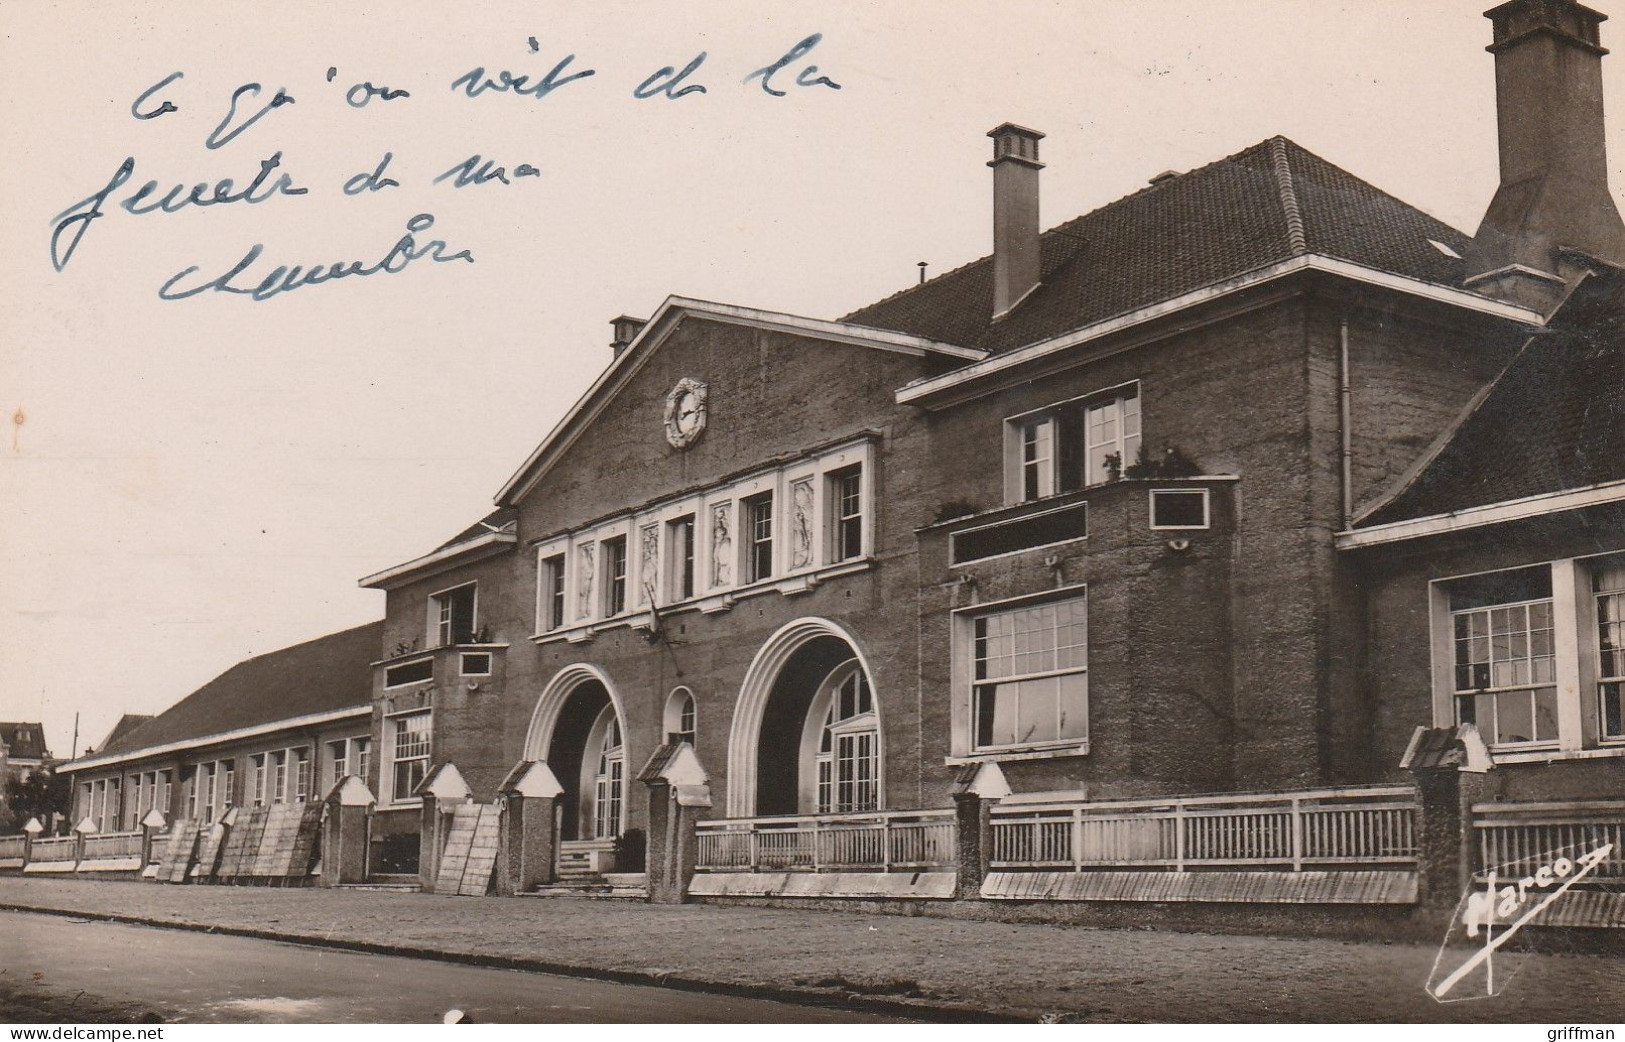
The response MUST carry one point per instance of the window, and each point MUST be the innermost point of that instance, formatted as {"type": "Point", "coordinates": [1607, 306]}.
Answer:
{"type": "Point", "coordinates": [410, 755]}
{"type": "Point", "coordinates": [846, 508]}
{"type": "Point", "coordinates": [301, 775]}
{"type": "Point", "coordinates": [1030, 685]}
{"type": "Point", "coordinates": [339, 762]}
{"type": "Point", "coordinates": [680, 538]}
{"type": "Point", "coordinates": [553, 592]}
{"type": "Point", "coordinates": [1072, 445]}
{"type": "Point", "coordinates": [452, 616]}
{"type": "Point", "coordinates": [162, 793]}
{"type": "Point", "coordinates": [614, 576]}
{"type": "Point", "coordinates": [110, 811]}
{"type": "Point", "coordinates": [1178, 508]}
{"type": "Point", "coordinates": [1505, 677]}
{"type": "Point", "coordinates": [1038, 458]}
{"type": "Point", "coordinates": [361, 754]}
{"type": "Point", "coordinates": [847, 763]}
{"type": "Point", "coordinates": [609, 780]}
{"type": "Point", "coordinates": [475, 663]}
{"type": "Point", "coordinates": [679, 716]}
{"type": "Point", "coordinates": [759, 536]}
{"type": "Point", "coordinates": [189, 781]}
{"type": "Point", "coordinates": [1608, 588]}
{"type": "Point", "coordinates": [409, 673]}
{"type": "Point", "coordinates": [258, 761]}
{"type": "Point", "coordinates": [1044, 528]}
{"type": "Point", "coordinates": [137, 793]}
{"type": "Point", "coordinates": [279, 778]}
{"type": "Point", "coordinates": [228, 783]}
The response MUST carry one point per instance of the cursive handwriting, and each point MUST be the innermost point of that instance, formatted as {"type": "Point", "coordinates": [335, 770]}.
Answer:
{"type": "Point", "coordinates": [72, 223]}
{"type": "Point", "coordinates": [475, 82]}
{"type": "Point", "coordinates": [475, 171]}
{"type": "Point", "coordinates": [167, 106]}
{"type": "Point", "coordinates": [215, 138]}
{"type": "Point", "coordinates": [808, 77]}
{"type": "Point", "coordinates": [284, 279]}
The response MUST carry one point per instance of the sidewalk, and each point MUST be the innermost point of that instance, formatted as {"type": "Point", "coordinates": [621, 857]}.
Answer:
{"type": "Point", "coordinates": [1019, 971]}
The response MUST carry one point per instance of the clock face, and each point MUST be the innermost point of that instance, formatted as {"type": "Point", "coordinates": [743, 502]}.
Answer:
{"type": "Point", "coordinates": [685, 412]}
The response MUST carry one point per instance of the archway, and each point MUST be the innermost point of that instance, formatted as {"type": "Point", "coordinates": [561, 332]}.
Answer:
{"type": "Point", "coordinates": [578, 728]}
{"type": "Point", "coordinates": [806, 732]}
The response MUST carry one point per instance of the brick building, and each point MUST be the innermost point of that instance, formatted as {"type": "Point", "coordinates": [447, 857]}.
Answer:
{"type": "Point", "coordinates": [1116, 507]}
{"type": "Point", "coordinates": [22, 752]}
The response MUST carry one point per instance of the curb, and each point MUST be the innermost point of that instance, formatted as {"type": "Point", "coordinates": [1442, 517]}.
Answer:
{"type": "Point", "coordinates": [921, 1010]}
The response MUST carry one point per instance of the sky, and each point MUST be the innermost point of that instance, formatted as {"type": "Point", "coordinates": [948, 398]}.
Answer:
{"type": "Point", "coordinates": [187, 483]}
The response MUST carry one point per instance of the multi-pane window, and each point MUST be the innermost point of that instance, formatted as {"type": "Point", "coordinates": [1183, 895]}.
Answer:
{"type": "Point", "coordinates": [361, 755]}
{"type": "Point", "coordinates": [553, 592]}
{"type": "Point", "coordinates": [846, 509]}
{"type": "Point", "coordinates": [301, 775]}
{"type": "Point", "coordinates": [137, 794]}
{"type": "Point", "coordinates": [258, 762]}
{"type": "Point", "coordinates": [228, 782]}
{"type": "Point", "coordinates": [452, 615]}
{"type": "Point", "coordinates": [1111, 429]}
{"type": "Point", "coordinates": [189, 780]}
{"type": "Point", "coordinates": [1038, 458]}
{"type": "Point", "coordinates": [1608, 587]}
{"type": "Point", "coordinates": [338, 760]}
{"type": "Point", "coordinates": [1030, 670]}
{"type": "Point", "coordinates": [410, 754]}
{"type": "Point", "coordinates": [759, 537]}
{"type": "Point", "coordinates": [1505, 675]}
{"type": "Point", "coordinates": [614, 564]}
{"type": "Point", "coordinates": [680, 536]}
{"type": "Point", "coordinates": [848, 758]}
{"type": "Point", "coordinates": [161, 791]}
{"type": "Point", "coordinates": [110, 810]}
{"type": "Point", "coordinates": [609, 782]}
{"type": "Point", "coordinates": [279, 777]}
{"type": "Point", "coordinates": [685, 720]}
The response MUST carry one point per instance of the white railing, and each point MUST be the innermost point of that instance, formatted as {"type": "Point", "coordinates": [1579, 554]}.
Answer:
{"type": "Point", "coordinates": [1317, 828]}
{"type": "Point", "coordinates": [12, 847]}
{"type": "Point", "coordinates": [53, 848]}
{"type": "Point", "coordinates": [112, 845]}
{"type": "Point", "coordinates": [880, 841]}
{"type": "Point", "coordinates": [1515, 839]}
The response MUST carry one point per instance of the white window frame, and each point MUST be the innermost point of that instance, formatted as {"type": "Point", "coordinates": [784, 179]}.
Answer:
{"type": "Point", "coordinates": [1207, 515]}
{"type": "Point", "coordinates": [1067, 422]}
{"type": "Point", "coordinates": [1575, 645]}
{"type": "Point", "coordinates": [462, 663]}
{"type": "Point", "coordinates": [442, 622]}
{"type": "Point", "coordinates": [260, 766]}
{"type": "Point", "coordinates": [1603, 677]}
{"type": "Point", "coordinates": [963, 748]}
{"type": "Point", "coordinates": [392, 732]}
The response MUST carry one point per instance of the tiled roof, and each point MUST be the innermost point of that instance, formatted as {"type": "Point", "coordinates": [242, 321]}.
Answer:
{"type": "Point", "coordinates": [1266, 204]}
{"type": "Point", "coordinates": [126, 723]}
{"type": "Point", "coordinates": [1554, 420]}
{"type": "Point", "coordinates": [495, 521]}
{"type": "Point", "coordinates": [23, 741]}
{"type": "Point", "coordinates": [319, 676]}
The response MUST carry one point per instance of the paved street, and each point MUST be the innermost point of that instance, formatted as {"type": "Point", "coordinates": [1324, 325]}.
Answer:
{"type": "Point", "coordinates": [1018, 971]}
{"type": "Point", "coordinates": [185, 977]}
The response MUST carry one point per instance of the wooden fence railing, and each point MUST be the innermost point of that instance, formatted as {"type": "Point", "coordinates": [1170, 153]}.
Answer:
{"type": "Point", "coordinates": [1515, 839]}
{"type": "Point", "coordinates": [1367, 827]}
{"type": "Point", "coordinates": [881, 841]}
{"type": "Point", "coordinates": [112, 845]}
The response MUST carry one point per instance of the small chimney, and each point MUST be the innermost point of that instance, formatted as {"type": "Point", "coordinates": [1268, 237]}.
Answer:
{"type": "Point", "coordinates": [1553, 201]}
{"type": "Point", "coordinates": [1015, 215]}
{"type": "Point", "coordinates": [626, 330]}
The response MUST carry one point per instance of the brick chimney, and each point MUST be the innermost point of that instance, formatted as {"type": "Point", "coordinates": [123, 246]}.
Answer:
{"type": "Point", "coordinates": [1015, 215]}
{"type": "Point", "coordinates": [626, 330]}
{"type": "Point", "coordinates": [1553, 202]}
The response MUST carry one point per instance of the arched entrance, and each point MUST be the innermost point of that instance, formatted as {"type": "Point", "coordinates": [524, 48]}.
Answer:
{"type": "Point", "coordinates": [806, 735]}
{"type": "Point", "coordinates": [578, 728]}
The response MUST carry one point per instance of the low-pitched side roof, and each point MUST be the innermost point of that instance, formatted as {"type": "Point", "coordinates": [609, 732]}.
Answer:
{"type": "Point", "coordinates": [1263, 205]}
{"type": "Point", "coordinates": [324, 675]}
{"type": "Point", "coordinates": [1553, 421]}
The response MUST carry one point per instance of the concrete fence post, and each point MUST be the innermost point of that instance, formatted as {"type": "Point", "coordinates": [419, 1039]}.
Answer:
{"type": "Point", "coordinates": [344, 831]}
{"type": "Point", "coordinates": [441, 790]}
{"type": "Point", "coordinates": [1449, 766]}
{"type": "Point", "coordinates": [679, 789]}
{"type": "Point", "coordinates": [86, 827]}
{"type": "Point", "coordinates": [151, 825]}
{"type": "Point", "coordinates": [529, 855]}
{"type": "Point", "coordinates": [978, 788]}
{"type": "Point", "coordinates": [31, 828]}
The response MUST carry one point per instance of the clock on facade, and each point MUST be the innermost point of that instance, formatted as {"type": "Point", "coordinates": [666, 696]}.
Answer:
{"type": "Point", "coordinates": [685, 412]}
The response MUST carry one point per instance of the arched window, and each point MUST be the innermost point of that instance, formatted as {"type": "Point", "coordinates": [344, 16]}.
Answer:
{"type": "Point", "coordinates": [845, 761]}
{"type": "Point", "coordinates": [680, 716]}
{"type": "Point", "coordinates": [609, 781]}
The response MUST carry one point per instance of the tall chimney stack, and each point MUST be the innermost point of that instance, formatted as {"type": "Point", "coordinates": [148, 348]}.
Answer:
{"type": "Point", "coordinates": [1015, 215]}
{"type": "Point", "coordinates": [1553, 202]}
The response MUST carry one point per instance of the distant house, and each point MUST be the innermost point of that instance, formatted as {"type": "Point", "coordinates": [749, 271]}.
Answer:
{"type": "Point", "coordinates": [22, 751]}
